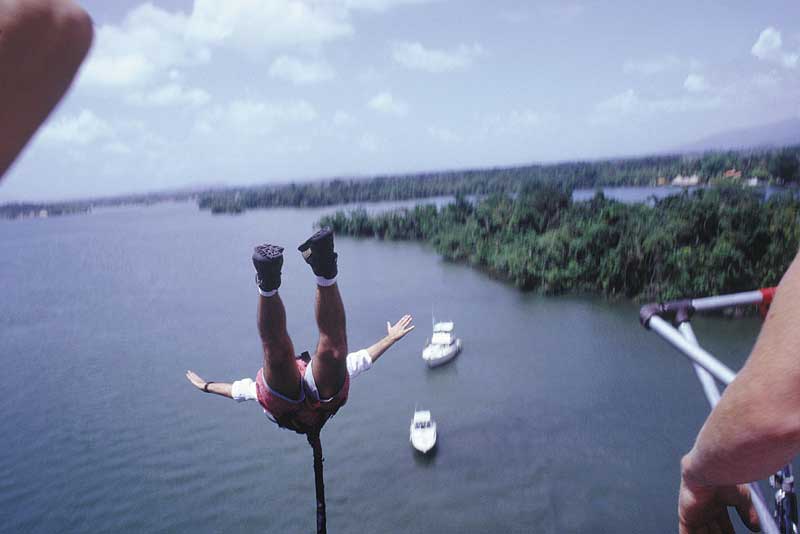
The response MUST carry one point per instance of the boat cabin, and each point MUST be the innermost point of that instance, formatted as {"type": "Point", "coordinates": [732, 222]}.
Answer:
{"type": "Point", "coordinates": [443, 327]}
{"type": "Point", "coordinates": [422, 419]}
{"type": "Point", "coordinates": [442, 334]}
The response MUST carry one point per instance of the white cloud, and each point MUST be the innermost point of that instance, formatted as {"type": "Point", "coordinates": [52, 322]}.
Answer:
{"type": "Point", "coordinates": [695, 83]}
{"type": "Point", "coordinates": [170, 94]}
{"type": "Point", "coordinates": [256, 25]}
{"type": "Point", "coordinates": [82, 129]}
{"type": "Point", "coordinates": [416, 57]}
{"type": "Point", "coordinates": [152, 42]}
{"type": "Point", "coordinates": [769, 42]}
{"type": "Point", "coordinates": [149, 42]}
{"type": "Point", "coordinates": [248, 116]}
{"type": "Point", "coordinates": [385, 103]}
{"type": "Point", "coordinates": [769, 47]}
{"type": "Point", "coordinates": [300, 72]}
{"type": "Point", "coordinates": [116, 71]}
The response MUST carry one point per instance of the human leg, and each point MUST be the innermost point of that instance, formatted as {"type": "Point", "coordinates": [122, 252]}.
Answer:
{"type": "Point", "coordinates": [280, 369]}
{"type": "Point", "coordinates": [329, 363]}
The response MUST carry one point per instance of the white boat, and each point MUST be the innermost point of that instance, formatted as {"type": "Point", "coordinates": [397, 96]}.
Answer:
{"type": "Point", "coordinates": [443, 346]}
{"type": "Point", "coordinates": [423, 431]}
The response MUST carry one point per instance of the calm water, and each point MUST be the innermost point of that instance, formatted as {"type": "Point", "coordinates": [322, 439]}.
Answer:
{"type": "Point", "coordinates": [630, 194]}
{"type": "Point", "coordinates": [635, 195]}
{"type": "Point", "coordinates": [560, 415]}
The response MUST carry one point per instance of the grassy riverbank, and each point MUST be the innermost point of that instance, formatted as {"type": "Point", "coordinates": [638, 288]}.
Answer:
{"type": "Point", "coordinates": [707, 242]}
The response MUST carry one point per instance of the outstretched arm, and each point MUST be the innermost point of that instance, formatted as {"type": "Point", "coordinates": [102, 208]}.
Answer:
{"type": "Point", "coordinates": [42, 44]}
{"type": "Point", "coordinates": [394, 333]}
{"type": "Point", "coordinates": [218, 388]}
{"type": "Point", "coordinates": [755, 428]}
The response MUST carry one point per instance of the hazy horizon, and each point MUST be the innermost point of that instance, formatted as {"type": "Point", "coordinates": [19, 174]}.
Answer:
{"type": "Point", "coordinates": [184, 92]}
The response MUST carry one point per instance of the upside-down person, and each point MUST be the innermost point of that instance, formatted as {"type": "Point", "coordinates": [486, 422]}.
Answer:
{"type": "Point", "coordinates": [297, 394]}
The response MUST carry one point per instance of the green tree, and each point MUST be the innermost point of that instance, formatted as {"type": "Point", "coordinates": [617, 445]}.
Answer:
{"type": "Point", "coordinates": [785, 166]}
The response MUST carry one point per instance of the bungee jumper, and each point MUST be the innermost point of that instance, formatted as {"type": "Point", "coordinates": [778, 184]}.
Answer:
{"type": "Point", "coordinates": [753, 431]}
{"type": "Point", "coordinates": [301, 393]}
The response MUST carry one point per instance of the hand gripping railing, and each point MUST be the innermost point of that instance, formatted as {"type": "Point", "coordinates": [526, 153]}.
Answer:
{"type": "Point", "coordinates": [671, 321]}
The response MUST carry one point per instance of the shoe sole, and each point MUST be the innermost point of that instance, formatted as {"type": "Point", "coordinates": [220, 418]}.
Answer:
{"type": "Point", "coordinates": [319, 235]}
{"type": "Point", "coordinates": [267, 253]}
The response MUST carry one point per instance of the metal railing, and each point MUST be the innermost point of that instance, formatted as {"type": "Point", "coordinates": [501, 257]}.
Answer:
{"type": "Point", "coordinates": [678, 332]}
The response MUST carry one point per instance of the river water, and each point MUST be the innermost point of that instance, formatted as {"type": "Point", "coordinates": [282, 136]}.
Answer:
{"type": "Point", "coordinates": [560, 415]}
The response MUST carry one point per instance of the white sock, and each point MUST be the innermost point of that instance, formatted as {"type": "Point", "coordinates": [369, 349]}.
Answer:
{"type": "Point", "coordinates": [267, 293]}
{"type": "Point", "coordinates": [325, 282]}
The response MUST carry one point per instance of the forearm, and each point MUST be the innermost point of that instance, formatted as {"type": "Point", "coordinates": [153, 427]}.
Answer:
{"type": "Point", "coordinates": [42, 44]}
{"type": "Point", "coordinates": [222, 389]}
{"type": "Point", "coordinates": [755, 428]}
{"type": "Point", "coordinates": [380, 346]}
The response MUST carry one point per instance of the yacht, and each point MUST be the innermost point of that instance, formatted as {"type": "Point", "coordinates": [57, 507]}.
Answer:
{"type": "Point", "coordinates": [423, 431]}
{"type": "Point", "coordinates": [443, 345]}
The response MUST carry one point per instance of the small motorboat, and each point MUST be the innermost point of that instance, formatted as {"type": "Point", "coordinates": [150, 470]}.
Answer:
{"type": "Point", "coordinates": [423, 431]}
{"type": "Point", "coordinates": [443, 345]}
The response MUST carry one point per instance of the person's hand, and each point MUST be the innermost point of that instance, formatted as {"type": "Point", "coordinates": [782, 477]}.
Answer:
{"type": "Point", "coordinates": [196, 381]}
{"type": "Point", "coordinates": [704, 509]}
{"type": "Point", "coordinates": [396, 331]}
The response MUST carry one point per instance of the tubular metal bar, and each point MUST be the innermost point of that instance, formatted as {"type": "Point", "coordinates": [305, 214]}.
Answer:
{"type": "Point", "coordinates": [705, 378]}
{"type": "Point", "coordinates": [712, 394]}
{"type": "Point", "coordinates": [679, 311]}
{"type": "Point", "coordinates": [724, 301]}
{"type": "Point", "coordinates": [694, 352]}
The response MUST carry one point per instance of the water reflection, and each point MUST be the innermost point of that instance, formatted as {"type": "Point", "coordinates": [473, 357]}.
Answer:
{"type": "Point", "coordinates": [428, 459]}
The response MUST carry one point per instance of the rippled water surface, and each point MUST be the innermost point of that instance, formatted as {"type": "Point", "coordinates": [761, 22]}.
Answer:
{"type": "Point", "coordinates": [560, 415]}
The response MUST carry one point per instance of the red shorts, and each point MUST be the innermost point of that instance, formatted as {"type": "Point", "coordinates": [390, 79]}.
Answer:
{"type": "Point", "coordinates": [304, 414]}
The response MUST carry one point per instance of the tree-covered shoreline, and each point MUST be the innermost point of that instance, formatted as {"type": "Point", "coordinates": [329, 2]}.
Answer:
{"type": "Point", "coordinates": [706, 242]}
{"type": "Point", "coordinates": [766, 165]}
{"type": "Point", "coordinates": [731, 168]}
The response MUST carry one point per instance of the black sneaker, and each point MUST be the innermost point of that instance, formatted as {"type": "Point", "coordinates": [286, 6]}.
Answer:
{"type": "Point", "coordinates": [268, 260]}
{"type": "Point", "coordinates": [318, 253]}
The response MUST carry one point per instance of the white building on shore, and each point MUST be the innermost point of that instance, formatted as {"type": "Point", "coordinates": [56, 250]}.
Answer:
{"type": "Point", "coordinates": [686, 181]}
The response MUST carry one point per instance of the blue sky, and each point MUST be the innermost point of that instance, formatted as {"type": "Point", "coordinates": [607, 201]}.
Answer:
{"type": "Point", "coordinates": [186, 92]}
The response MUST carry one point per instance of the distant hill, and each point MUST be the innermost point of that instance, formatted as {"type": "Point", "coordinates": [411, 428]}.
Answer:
{"type": "Point", "coordinates": [777, 134]}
